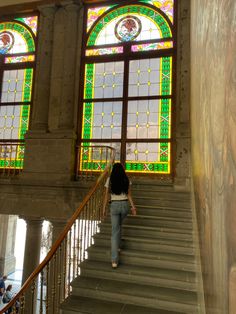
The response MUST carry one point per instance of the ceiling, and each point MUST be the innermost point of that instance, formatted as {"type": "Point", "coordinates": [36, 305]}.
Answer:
{"type": "Point", "coordinates": [4, 3]}
{"type": "Point", "coordinates": [14, 6]}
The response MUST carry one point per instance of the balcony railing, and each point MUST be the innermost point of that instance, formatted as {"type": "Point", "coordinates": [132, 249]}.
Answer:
{"type": "Point", "coordinates": [11, 157]}
{"type": "Point", "coordinates": [92, 160]}
{"type": "Point", "coordinates": [49, 284]}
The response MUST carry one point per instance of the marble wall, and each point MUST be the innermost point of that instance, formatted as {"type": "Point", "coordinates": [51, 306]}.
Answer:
{"type": "Point", "coordinates": [213, 123]}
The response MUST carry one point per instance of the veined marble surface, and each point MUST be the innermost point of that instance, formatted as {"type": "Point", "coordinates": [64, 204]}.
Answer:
{"type": "Point", "coordinates": [213, 112]}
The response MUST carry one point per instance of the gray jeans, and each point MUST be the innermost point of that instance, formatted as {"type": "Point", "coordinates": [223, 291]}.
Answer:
{"type": "Point", "coordinates": [119, 210]}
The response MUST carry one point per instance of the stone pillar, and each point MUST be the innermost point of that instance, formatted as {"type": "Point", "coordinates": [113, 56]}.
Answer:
{"type": "Point", "coordinates": [57, 227]}
{"type": "Point", "coordinates": [182, 130]}
{"type": "Point", "coordinates": [43, 69]}
{"type": "Point", "coordinates": [7, 243]}
{"type": "Point", "coordinates": [32, 245]}
{"type": "Point", "coordinates": [66, 118]}
{"type": "Point", "coordinates": [50, 154]}
{"type": "Point", "coordinates": [62, 100]}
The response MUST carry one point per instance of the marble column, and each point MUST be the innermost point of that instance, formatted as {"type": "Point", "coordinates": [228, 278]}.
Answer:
{"type": "Point", "coordinates": [66, 117]}
{"type": "Point", "coordinates": [63, 100]}
{"type": "Point", "coordinates": [181, 144]}
{"type": "Point", "coordinates": [43, 69]}
{"type": "Point", "coordinates": [7, 243]}
{"type": "Point", "coordinates": [32, 245]}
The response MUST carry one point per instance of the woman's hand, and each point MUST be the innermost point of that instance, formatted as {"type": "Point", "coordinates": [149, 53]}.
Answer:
{"type": "Point", "coordinates": [134, 211]}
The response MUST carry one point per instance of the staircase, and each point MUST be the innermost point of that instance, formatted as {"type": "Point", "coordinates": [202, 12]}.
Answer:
{"type": "Point", "coordinates": [158, 268]}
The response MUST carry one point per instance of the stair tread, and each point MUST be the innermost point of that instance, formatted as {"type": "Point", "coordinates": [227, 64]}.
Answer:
{"type": "Point", "coordinates": [85, 305]}
{"type": "Point", "coordinates": [151, 228]}
{"type": "Point", "coordinates": [163, 218]}
{"type": "Point", "coordinates": [134, 289]}
{"type": "Point", "coordinates": [167, 214]}
{"type": "Point", "coordinates": [161, 206]}
{"type": "Point", "coordinates": [148, 240]}
{"type": "Point", "coordinates": [158, 246]}
{"type": "Point", "coordinates": [145, 253]}
{"type": "Point", "coordinates": [157, 217]}
{"type": "Point", "coordinates": [153, 272]}
{"type": "Point", "coordinates": [162, 195]}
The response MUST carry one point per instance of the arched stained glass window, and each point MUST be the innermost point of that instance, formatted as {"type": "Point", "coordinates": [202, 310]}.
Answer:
{"type": "Point", "coordinates": [17, 61]}
{"type": "Point", "coordinates": [127, 95]}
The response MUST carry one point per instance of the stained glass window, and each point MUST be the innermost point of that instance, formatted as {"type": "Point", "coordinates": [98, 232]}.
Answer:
{"type": "Point", "coordinates": [17, 58]}
{"type": "Point", "coordinates": [133, 22]}
{"type": "Point", "coordinates": [127, 96]}
{"type": "Point", "coordinates": [104, 80]}
{"type": "Point", "coordinates": [105, 121]}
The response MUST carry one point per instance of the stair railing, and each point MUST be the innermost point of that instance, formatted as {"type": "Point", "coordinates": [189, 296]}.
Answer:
{"type": "Point", "coordinates": [49, 283]}
{"type": "Point", "coordinates": [11, 157]}
{"type": "Point", "coordinates": [92, 160]}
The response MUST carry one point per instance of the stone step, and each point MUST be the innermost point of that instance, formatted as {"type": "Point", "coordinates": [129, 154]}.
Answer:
{"type": "Point", "coordinates": [84, 305]}
{"type": "Point", "coordinates": [148, 276]}
{"type": "Point", "coordinates": [145, 258]}
{"type": "Point", "coordinates": [132, 293]}
{"type": "Point", "coordinates": [143, 244]}
{"type": "Point", "coordinates": [154, 185]}
{"type": "Point", "coordinates": [164, 212]}
{"type": "Point", "coordinates": [178, 204]}
{"type": "Point", "coordinates": [147, 231]}
{"type": "Point", "coordinates": [163, 207]}
{"type": "Point", "coordinates": [153, 221]}
{"type": "Point", "coordinates": [162, 195]}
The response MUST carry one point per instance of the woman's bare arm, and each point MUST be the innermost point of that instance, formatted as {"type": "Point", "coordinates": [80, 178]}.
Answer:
{"type": "Point", "coordinates": [133, 208]}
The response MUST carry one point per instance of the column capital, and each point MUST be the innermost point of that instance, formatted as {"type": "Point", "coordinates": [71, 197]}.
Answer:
{"type": "Point", "coordinates": [57, 227]}
{"type": "Point", "coordinates": [47, 9]}
{"type": "Point", "coordinates": [57, 222]}
{"type": "Point", "coordinates": [32, 220]}
{"type": "Point", "coordinates": [71, 3]}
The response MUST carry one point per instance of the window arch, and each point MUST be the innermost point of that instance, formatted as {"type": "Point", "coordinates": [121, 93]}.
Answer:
{"type": "Point", "coordinates": [17, 62]}
{"type": "Point", "coordinates": [127, 93]}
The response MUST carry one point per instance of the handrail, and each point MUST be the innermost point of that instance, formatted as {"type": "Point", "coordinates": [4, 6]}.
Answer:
{"type": "Point", "coordinates": [21, 296]}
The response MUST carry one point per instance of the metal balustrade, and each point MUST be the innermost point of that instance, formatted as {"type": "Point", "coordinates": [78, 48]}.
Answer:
{"type": "Point", "coordinates": [92, 160]}
{"type": "Point", "coordinates": [11, 157]}
{"type": "Point", "coordinates": [49, 284]}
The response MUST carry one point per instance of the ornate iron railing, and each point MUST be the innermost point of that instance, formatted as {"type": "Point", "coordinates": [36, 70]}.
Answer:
{"type": "Point", "coordinates": [49, 284]}
{"type": "Point", "coordinates": [11, 157]}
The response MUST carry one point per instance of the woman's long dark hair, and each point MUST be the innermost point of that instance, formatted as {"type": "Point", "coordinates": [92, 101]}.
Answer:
{"type": "Point", "coordinates": [119, 181]}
